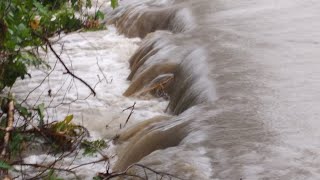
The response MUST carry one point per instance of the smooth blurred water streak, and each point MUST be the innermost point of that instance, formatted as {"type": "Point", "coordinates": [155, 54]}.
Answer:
{"type": "Point", "coordinates": [246, 87]}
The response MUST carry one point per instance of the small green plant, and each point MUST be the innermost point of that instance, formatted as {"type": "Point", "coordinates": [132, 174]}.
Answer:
{"type": "Point", "coordinates": [93, 22]}
{"type": "Point", "coordinates": [63, 134]}
{"type": "Point", "coordinates": [114, 3]}
{"type": "Point", "coordinates": [26, 25]}
{"type": "Point", "coordinates": [97, 178]}
{"type": "Point", "coordinates": [16, 143]}
{"type": "Point", "coordinates": [65, 126]}
{"type": "Point", "coordinates": [92, 147]}
{"type": "Point", "coordinates": [4, 165]}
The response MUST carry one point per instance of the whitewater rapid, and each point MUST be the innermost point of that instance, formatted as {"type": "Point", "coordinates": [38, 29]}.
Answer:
{"type": "Point", "coordinates": [244, 92]}
{"type": "Point", "coordinates": [101, 59]}
{"type": "Point", "coordinates": [244, 99]}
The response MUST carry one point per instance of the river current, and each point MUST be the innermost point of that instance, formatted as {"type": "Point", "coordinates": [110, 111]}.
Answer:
{"type": "Point", "coordinates": [242, 77]}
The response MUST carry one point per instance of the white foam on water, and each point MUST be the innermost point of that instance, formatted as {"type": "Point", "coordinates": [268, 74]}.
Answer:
{"type": "Point", "coordinates": [101, 59]}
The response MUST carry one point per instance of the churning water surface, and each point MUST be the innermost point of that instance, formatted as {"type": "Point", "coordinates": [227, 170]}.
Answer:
{"type": "Point", "coordinates": [245, 89]}
{"type": "Point", "coordinates": [101, 59]}
{"type": "Point", "coordinates": [244, 94]}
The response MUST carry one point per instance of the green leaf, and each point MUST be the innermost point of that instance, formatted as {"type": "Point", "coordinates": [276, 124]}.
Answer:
{"type": "Point", "coordinates": [10, 31]}
{"type": "Point", "coordinates": [96, 178]}
{"type": "Point", "coordinates": [23, 111]}
{"type": "Point", "coordinates": [4, 165]}
{"type": "Point", "coordinates": [99, 15]}
{"type": "Point", "coordinates": [40, 7]}
{"type": "Point", "coordinates": [21, 27]}
{"type": "Point", "coordinates": [73, 2]}
{"type": "Point", "coordinates": [40, 110]}
{"type": "Point", "coordinates": [64, 125]}
{"type": "Point", "coordinates": [88, 4]}
{"type": "Point", "coordinates": [91, 147]}
{"type": "Point", "coordinates": [15, 145]}
{"type": "Point", "coordinates": [13, 70]}
{"type": "Point", "coordinates": [30, 58]}
{"type": "Point", "coordinates": [68, 119]}
{"type": "Point", "coordinates": [114, 3]}
{"type": "Point", "coordinates": [3, 124]}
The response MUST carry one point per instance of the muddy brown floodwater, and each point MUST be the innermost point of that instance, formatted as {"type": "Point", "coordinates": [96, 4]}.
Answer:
{"type": "Point", "coordinates": [243, 81]}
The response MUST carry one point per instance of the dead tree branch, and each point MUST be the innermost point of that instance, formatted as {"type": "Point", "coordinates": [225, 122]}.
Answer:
{"type": "Point", "coordinates": [10, 118]}
{"type": "Point", "coordinates": [6, 139]}
{"type": "Point", "coordinates": [64, 65]}
{"type": "Point", "coordinates": [49, 167]}
{"type": "Point", "coordinates": [67, 69]}
{"type": "Point", "coordinates": [131, 112]}
{"type": "Point", "coordinates": [125, 173]}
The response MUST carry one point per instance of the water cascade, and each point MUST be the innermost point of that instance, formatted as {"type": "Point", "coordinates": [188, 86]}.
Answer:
{"type": "Point", "coordinates": [243, 83]}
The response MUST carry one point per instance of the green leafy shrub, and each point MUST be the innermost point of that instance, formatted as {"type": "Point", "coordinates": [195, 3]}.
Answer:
{"type": "Point", "coordinates": [25, 24]}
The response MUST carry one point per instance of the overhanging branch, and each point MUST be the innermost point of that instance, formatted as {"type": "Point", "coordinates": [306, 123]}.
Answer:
{"type": "Point", "coordinates": [64, 65]}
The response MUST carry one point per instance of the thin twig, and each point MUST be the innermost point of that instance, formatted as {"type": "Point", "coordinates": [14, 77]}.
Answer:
{"type": "Point", "coordinates": [49, 167]}
{"type": "Point", "coordinates": [131, 112]}
{"type": "Point", "coordinates": [105, 77]}
{"type": "Point", "coordinates": [68, 71]}
{"type": "Point", "coordinates": [93, 162]}
{"type": "Point", "coordinates": [64, 65]}
{"type": "Point", "coordinates": [25, 99]}
{"type": "Point", "coordinates": [125, 173]}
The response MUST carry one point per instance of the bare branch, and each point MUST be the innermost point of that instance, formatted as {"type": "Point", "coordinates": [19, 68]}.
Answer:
{"type": "Point", "coordinates": [10, 119]}
{"type": "Point", "coordinates": [64, 65]}
{"type": "Point", "coordinates": [49, 167]}
{"type": "Point", "coordinates": [131, 112]}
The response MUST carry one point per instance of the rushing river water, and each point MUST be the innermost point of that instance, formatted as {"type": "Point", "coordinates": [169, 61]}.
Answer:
{"type": "Point", "coordinates": [101, 59]}
{"type": "Point", "coordinates": [245, 90]}
{"type": "Point", "coordinates": [243, 79]}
